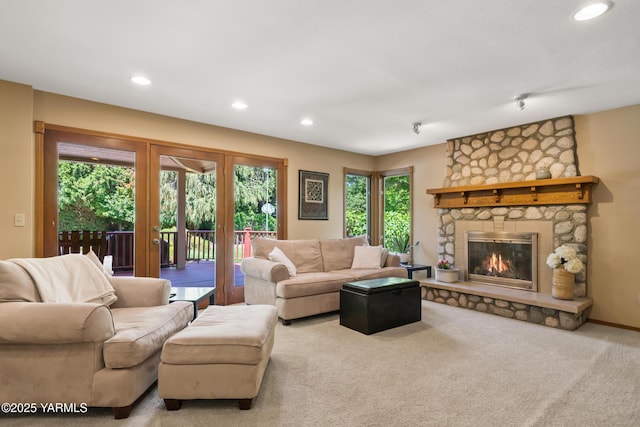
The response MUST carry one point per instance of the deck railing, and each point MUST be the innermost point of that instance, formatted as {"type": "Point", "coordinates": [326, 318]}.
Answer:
{"type": "Point", "coordinates": [200, 245]}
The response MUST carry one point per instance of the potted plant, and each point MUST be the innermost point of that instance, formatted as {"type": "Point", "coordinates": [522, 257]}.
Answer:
{"type": "Point", "coordinates": [566, 264]}
{"type": "Point", "coordinates": [399, 244]}
{"type": "Point", "coordinates": [446, 272]}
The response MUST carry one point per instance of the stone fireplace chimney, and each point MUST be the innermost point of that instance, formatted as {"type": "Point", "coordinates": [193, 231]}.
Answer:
{"type": "Point", "coordinates": [510, 155]}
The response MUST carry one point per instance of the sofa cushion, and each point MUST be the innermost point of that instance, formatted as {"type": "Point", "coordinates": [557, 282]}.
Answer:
{"type": "Point", "coordinates": [383, 256]}
{"type": "Point", "coordinates": [337, 254]}
{"type": "Point", "coordinates": [16, 284]}
{"type": "Point", "coordinates": [305, 254]}
{"type": "Point", "coordinates": [367, 257]}
{"type": "Point", "coordinates": [311, 284]}
{"type": "Point", "coordinates": [234, 334]}
{"type": "Point", "coordinates": [276, 255]}
{"type": "Point", "coordinates": [141, 331]}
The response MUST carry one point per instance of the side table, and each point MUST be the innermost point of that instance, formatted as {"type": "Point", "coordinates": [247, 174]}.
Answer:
{"type": "Point", "coordinates": [415, 267]}
{"type": "Point", "coordinates": [192, 294]}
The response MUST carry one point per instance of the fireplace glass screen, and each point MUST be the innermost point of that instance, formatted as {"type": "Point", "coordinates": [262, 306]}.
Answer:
{"type": "Point", "coordinates": [502, 259]}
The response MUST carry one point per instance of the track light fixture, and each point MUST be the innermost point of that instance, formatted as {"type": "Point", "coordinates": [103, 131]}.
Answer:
{"type": "Point", "coordinates": [520, 100]}
{"type": "Point", "coordinates": [416, 127]}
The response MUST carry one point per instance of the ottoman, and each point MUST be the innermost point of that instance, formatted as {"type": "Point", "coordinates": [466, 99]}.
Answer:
{"type": "Point", "coordinates": [371, 306]}
{"type": "Point", "coordinates": [221, 355]}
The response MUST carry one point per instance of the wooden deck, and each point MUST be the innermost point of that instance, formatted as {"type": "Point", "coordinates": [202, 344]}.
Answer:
{"type": "Point", "coordinates": [195, 274]}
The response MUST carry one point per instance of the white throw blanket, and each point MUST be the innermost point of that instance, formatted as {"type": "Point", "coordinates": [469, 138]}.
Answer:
{"type": "Point", "coordinates": [68, 278]}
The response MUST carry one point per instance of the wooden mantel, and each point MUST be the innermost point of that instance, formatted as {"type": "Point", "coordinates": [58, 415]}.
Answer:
{"type": "Point", "coordinates": [557, 191]}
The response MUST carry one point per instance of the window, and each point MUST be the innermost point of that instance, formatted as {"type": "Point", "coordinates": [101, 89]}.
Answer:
{"type": "Point", "coordinates": [396, 210]}
{"type": "Point", "coordinates": [379, 204]}
{"type": "Point", "coordinates": [357, 204]}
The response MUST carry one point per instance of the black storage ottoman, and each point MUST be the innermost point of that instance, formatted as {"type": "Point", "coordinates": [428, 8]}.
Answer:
{"type": "Point", "coordinates": [371, 306]}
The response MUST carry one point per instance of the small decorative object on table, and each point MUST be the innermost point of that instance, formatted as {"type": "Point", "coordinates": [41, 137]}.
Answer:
{"type": "Point", "coordinates": [446, 272]}
{"type": "Point", "coordinates": [565, 263]}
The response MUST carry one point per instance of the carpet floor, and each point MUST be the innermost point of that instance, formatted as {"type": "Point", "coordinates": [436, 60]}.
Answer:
{"type": "Point", "coordinates": [456, 367]}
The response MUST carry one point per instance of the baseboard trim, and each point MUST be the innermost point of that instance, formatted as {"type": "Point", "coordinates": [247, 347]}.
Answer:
{"type": "Point", "coordinates": [614, 325]}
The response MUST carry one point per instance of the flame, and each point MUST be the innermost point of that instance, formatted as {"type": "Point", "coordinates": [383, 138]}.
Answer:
{"type": "Point", "coordinates": [496, 264]}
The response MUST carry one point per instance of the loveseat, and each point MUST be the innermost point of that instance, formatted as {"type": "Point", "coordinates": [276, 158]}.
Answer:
{"type": "Point", "coordinates": [303, 277]}
{"type": "Point", "coordinates": [100, 353]}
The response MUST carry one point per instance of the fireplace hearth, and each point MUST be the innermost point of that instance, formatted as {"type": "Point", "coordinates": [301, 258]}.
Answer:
{"type": "Point", "coordinates": [502, 259]}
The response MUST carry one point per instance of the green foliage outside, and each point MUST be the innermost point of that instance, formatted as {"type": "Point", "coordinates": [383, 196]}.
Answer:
{"type": "Point", "coordinates": [95, 197]}
{"type": "Point", "coordinates": [396, 209]}
{"type": "Point", "coordinates": [254, 187]}
{"type": "Point", "coordinates": [356, 197]}
{"type": "Point", "coordinates": [200, 209]}
{"type": "Point", "coordinates": [101, 197]}
{"type": "Point", "coordinates": [397, 205]}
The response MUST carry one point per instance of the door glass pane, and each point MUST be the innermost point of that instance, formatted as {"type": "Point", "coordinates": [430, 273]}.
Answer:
{"type": "Point", "coordinates": [255, 208]}
{"type": "Point", "coordinates": [397, 211]}
{"type": "Point", "coordinates": [357, 205]}
{"type": "Point", "coordinates": [96, 204]}
{"type": "Point", "coordinates": [187, 237]}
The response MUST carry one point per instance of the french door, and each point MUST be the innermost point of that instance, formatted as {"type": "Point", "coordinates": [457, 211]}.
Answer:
{"type": "Point", "coordinates": [91, 160]}
{"type": "Point", "coordinates": [185, 208]}
{"type": "Point", "coordinates": [254, 188]}
{"type": "Point", "coordinates": [186, 224]}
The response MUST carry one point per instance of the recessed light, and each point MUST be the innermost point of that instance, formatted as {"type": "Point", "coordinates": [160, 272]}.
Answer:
{"type": "Point", "coordinates": [239, 105]}
{"type": "Point", "coordinates": [141, 80]}
{"type": "Point", "coordinates": [592, 11]}
{"type": "Point", "coordinates": [306, 122]}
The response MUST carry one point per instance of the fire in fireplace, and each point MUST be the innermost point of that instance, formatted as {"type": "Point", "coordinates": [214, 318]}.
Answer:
{"type": "Point", "coordinates": [502, 259]}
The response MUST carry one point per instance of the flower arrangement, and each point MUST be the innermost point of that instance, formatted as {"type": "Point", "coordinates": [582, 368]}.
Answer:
{"type": "Point", "coordinates": [567, 257]}
{"type": "Point", "coordinates": [443, 264]}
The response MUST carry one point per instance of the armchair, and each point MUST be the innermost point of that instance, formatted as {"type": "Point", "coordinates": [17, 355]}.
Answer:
{"type": "Point", "coordinates": [78, 352]}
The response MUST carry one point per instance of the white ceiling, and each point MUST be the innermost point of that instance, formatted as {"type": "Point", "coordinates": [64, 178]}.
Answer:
{"type": "Point", "coordinates": [363, 70]}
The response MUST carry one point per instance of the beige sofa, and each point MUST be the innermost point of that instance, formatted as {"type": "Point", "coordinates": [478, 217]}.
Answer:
{"type": "Point", "coordinates": [322, 267]}
{"type": "Point", "coordinates": [87, 354]}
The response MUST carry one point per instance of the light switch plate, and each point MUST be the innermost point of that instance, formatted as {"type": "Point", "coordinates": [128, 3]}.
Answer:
{"type": "Point", "coordinates": [18, 220]}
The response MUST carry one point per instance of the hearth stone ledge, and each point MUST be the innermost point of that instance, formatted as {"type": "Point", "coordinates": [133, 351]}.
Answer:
{"type": "Point", "coordinates": [522, 305]}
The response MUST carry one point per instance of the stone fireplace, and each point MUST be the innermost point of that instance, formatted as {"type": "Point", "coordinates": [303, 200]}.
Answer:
{"type": "Point", "coordinates": [490, 189]}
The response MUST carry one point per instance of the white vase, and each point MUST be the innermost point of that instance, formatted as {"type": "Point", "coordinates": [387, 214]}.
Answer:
{"type": "Point", "coordinates": [404, 257]}
{"type": "Point", "coordinates": [449, 275]}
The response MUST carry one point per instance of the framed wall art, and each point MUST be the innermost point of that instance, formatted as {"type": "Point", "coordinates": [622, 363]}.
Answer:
{"type": "Point", "coordinates": [313, 189]}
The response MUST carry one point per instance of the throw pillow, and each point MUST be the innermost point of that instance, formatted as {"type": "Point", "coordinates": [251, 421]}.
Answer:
{"type": "Point", "coordinates": [276, 255]}
{"type": "Point", "coordinates": [383, 258]}
{"type": "Point", "coordinates": [366, 257]}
